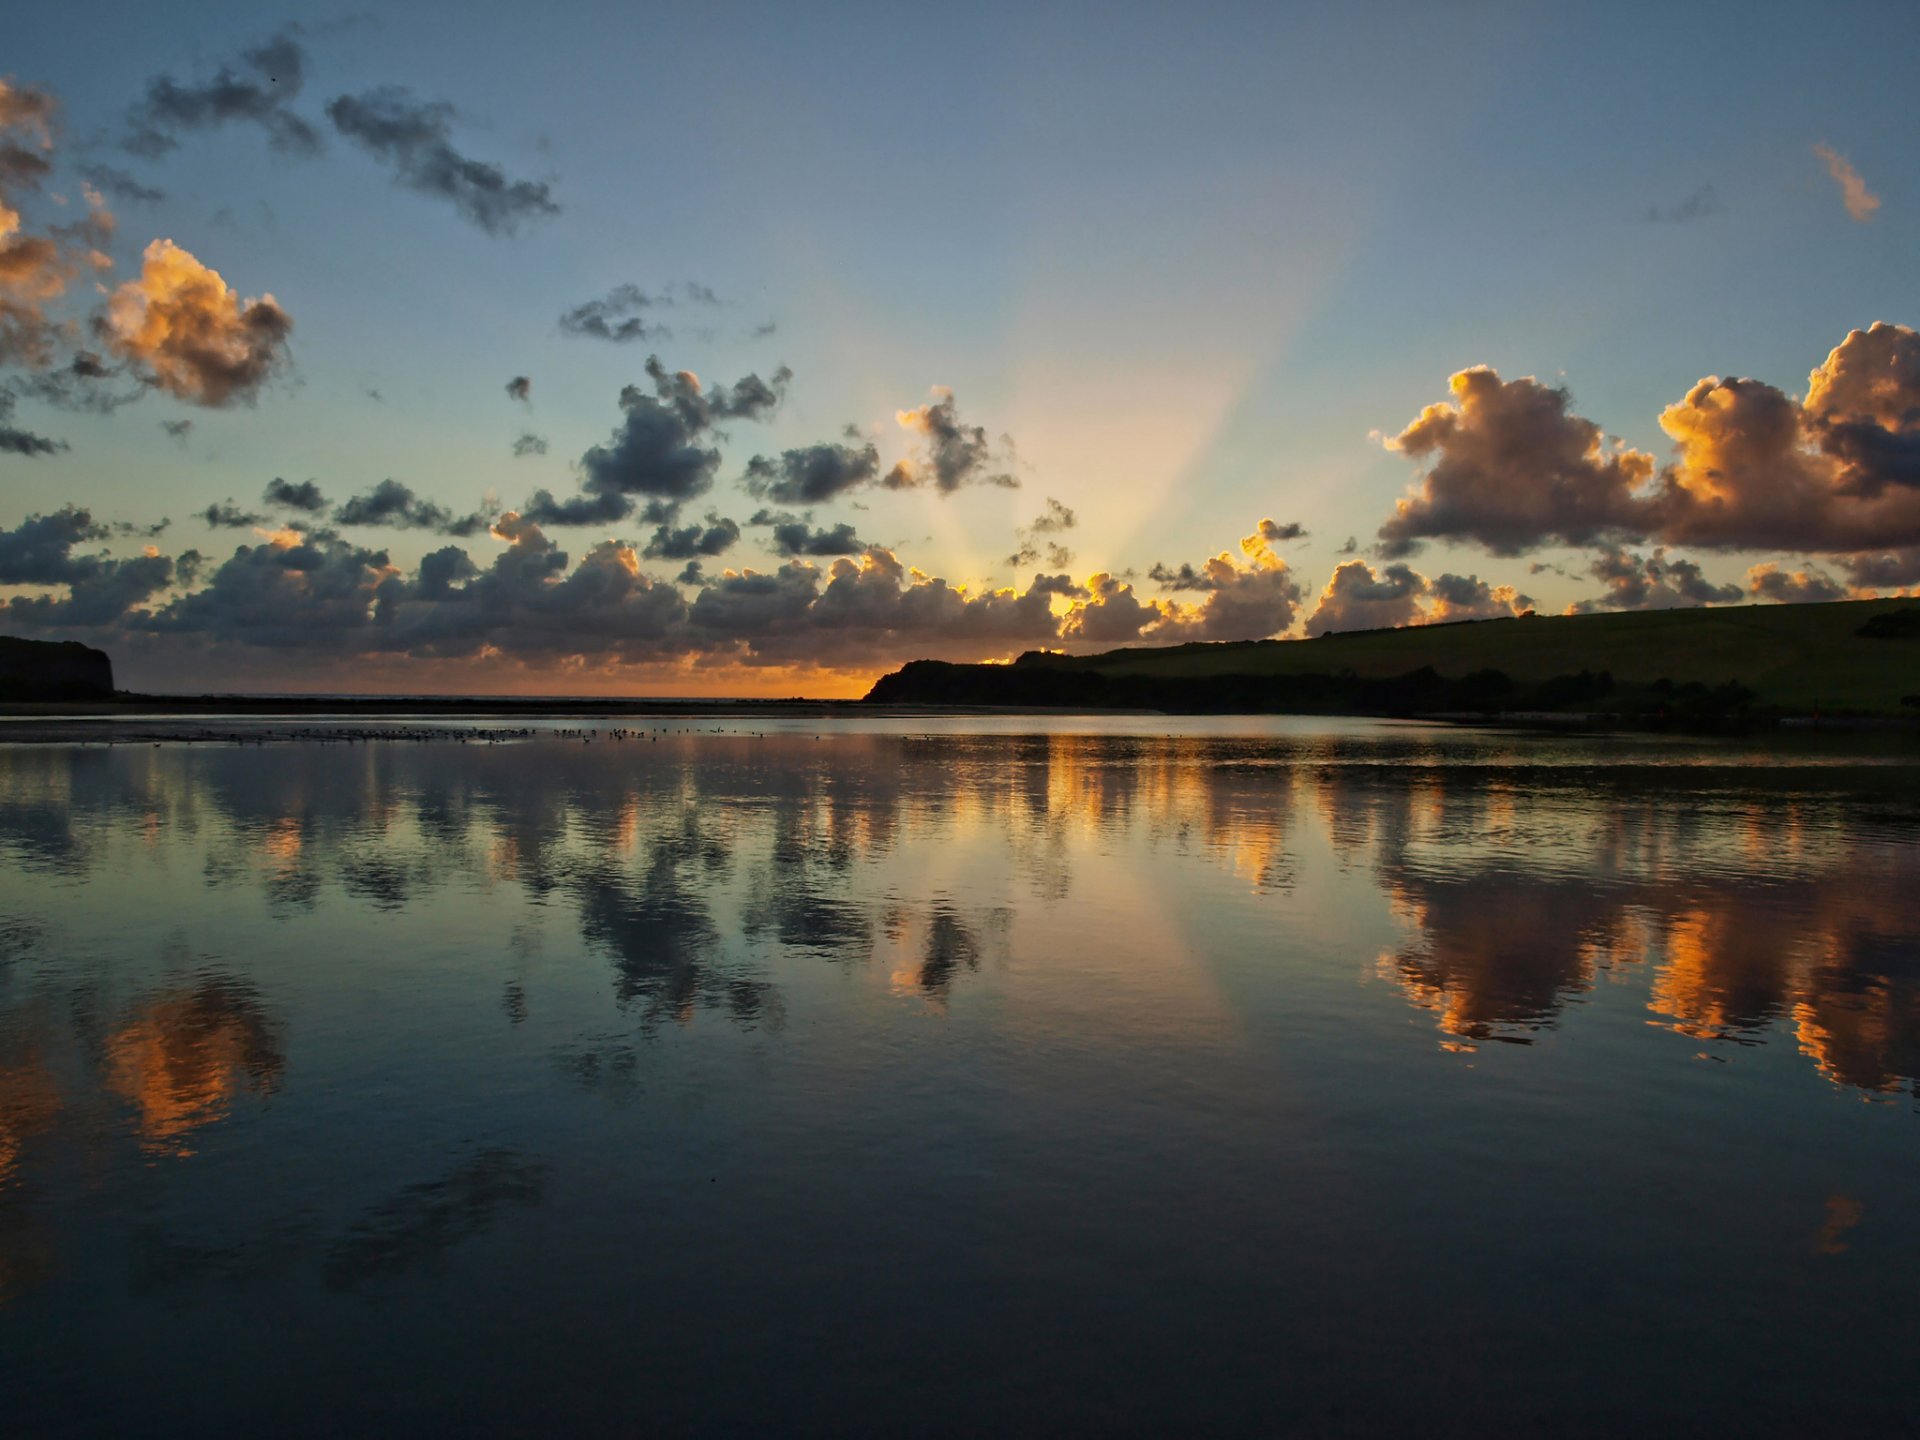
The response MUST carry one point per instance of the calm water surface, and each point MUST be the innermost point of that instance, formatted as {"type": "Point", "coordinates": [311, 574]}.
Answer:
{"type": "Point", "coordinates": [1315, 1076]}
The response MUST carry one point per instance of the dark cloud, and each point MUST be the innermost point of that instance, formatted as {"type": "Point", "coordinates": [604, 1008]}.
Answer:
{"type": "Point", "coordinates": [255, 89]}
{"type": "Point", "coordinates": [302, 495]}
{"type": "Point", "coordinates": [601, 509]}
{"type": "Point", "coordinates": [15, 441]}
{"type": "Point", "coordinates": [1884, 569]}
{"type": "Point", "coordinates": [797, 537]}
{"type": "Point", "coordinates": [1061, 585]}
{"type": "Point", "coordinates": [813, 473]}
{"type": "Point", "coordinates": [529, 444]}
{"type": "Point", "coordinates": [1352, 547]}
{"type": "Point", "coordinates": [1770, 582]}
{"type": "Point", "coordinates": [1651, 582]}
{"type": "Point", "coordinates": [122, 186]}
{"type": "Point", "coordinates": [957, 454]}
{"type": "Point", "coordinates": [716, 537]}
{"type": "Point", "coordinates": [520, 388]}
{"type": "Point", "coordinates": [1468, 597]}
{"type": "Point", "coordinates": [1697, 206]}
{"type": "Point", "coordinates": [225, 515]}
{"type": "Point", "coordinates": [394, 505]}
{"type": "Point", "coordinates": [1035, 542]}
{"type": "Point", "coordinates": [655, 454]}
{"type": "Point", "coordinates": [621, 315]}
{"type": "Point", "coordinates": [177, 429]}
{"type": "Point", "coordinates": [414, 138]}
{"type": "Point", "coordinates": [100, 589]}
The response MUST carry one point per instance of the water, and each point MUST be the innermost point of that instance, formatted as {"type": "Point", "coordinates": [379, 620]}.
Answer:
{"type": "Point", "coordinates": [960, 1077]}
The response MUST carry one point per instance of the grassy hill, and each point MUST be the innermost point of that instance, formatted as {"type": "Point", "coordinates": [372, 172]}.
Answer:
{"type": "Point", "coordinates": [1845, 657]}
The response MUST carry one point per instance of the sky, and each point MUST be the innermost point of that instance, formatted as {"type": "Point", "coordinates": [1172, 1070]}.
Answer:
{"type": "Point", "coordinates": [757, 349]}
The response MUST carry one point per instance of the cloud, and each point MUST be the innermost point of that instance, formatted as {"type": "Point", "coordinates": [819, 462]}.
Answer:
{"type": "Point", "coordinates": [1757, 469]}
{"type": "Point", "coordinates": [1770, 582]}
{"type": "Point", "coordinates": [190, 334]}
{"type": "Point", "coordinates": [796, 537]}
{"type": "Point", "coordinates": [1035, 542]}
{"type": "Point", "coordinates": [177, 429]}
{"type": "Point", "coordinates": [1358, 599]}
{"type": "Point", "coordinates": [414, 138]}
{"type": "Point", "coordinates": [122, 186]}
{"type": "Point", "coordinates": [1111, 614]}
{"type": "Point", "coordinates": [302, 495]}
{"type": "Point", "coordinates": [813, 473]}
{"type": "Point", "coordinates": [602, 509]}
{"type": "Point", "coordinates": [1468, 597]}
{"type": "Point", "coordinates": [1513, 467]}
{"type": "Point", "coordinates": [957, 454]}
{"type": "Point", "coordinates": [15, 441]}
{"type": "Point", "coordinates": [1651, 582]}
{"type": "Point", "coordinates": [716, 537]}
{"type": "Point", "coordinates": [255, 89]}
{"type": "Point", "coordinates": [620, 315]}
{"type": "Point", "coordinates": [1753, 467]}
{"type": "Point", "coordinates": [1861, 202]}
{"type": "Point", "coordinates": [394, 505]}
{"type": "Point", "coordinates": [100, 589]}
{"type": "Point", "coordinates": [1697, 206]}
{"type": "Point", "coordinates": [225, 515]}
{"type": "Point", "coordinates": [655, 453]}
{"type": "Point", "coordinates": [36, 269]}
{"type": "Point", "coordinates": [520, 388]}
{"type": "Point", "coordinates": [529, 444]}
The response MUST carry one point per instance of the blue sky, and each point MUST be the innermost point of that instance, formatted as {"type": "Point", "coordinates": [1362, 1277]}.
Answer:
{"type": "Point", "coordinates": [1193, 264]}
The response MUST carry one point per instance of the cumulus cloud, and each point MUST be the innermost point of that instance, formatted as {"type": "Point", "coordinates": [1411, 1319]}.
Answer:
{"type": "Point", "coordinates": [1839, 472]}
{"type": "Point", "coordinates": [99, 588]}
{"type": "Point", "coordinates": [1753, 468]}
{"type": "Point", "coordinates": [1036, 542]}
{"type": "Point", "coordinates": [255, 89]}
{"type": "Point", "coordinates": [1356, 598]}
{"type": "Point", "coordinates": [813, 473]}
{"type": "Point", "coordinates": [655, 454]}
{"type": "Point", "coordinates": [1770, 582]}
{"type": "Point", "coordinates": [956, 453]}
{"type": "Point", "coordinates": [520, 388]}
{"type": "Point", "coordinates": [394, 505]}
{"type": "Point", "coordinates": [1512, 467]}
{"type": "Point", "coordinates": [415, 140]}
{"type": "Point", "coordinates": [190, 334]}
{"type": "Point", "coordinates": [689, 542]}
{"type": "Point", "coordinates": [301, 495]}
{"type": "Point", "coordinates": [1468, 597]}
{"type": "Point", "coordinates": [796, 537]}
{"type": "Point", "coordinates": [529, 444]}
{"type": "Point", "coordinates": [1651, 582]}
{"type": "Point", "coordinates": [1861, 202]}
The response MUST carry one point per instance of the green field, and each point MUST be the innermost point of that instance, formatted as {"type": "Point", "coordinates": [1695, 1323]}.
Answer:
{"type": "Point", "coordinates": [1795, 658]}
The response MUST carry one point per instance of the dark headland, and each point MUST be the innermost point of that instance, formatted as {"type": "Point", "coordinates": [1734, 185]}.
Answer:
{"type": "Point", "coordinates": [1835, 659]}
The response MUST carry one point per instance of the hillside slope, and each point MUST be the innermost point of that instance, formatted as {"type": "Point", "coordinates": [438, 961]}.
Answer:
{"type": "Point", "coordinates": [1854, 657]}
